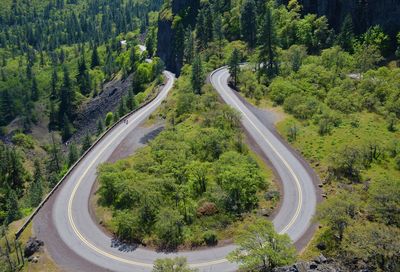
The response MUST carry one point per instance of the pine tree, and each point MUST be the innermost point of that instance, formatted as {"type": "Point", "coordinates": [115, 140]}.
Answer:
{"type": "Point", "coordinates": [150, 42]}
{"type": "Point", "coordinates": [179, 44]}
{"type": "Point", "coordinates": [86, 144]}
{"type": "Point", "coordinates": [248, 23]}
{"type": "Point", "coordinates": [267, 55]}
{"type": "Point", "coordinates": [66, 129]}
{"type": "Point", "coordinates": [100, 127]}
{"type": "Point", "coordinates": [121, 108]}
{"type": "Point", "coordinates": [67, 98]}
{"type": "Point", "coordinates": [52, 117]}
{"type": "Point", "coordinates": [34, 89]}
{"type": "Point", "coordinates": [131, 102]}
{"type": "Point", "coordinates": [15, 177]}
{"type": "Point", "coordinates": [54, 80]}
{"type": "Point", "coordinates": [73, 155]}
{"type": "Point", "coordinates": [7, 106]}
{"type": "Point", "coordinates": [197, 79]}
{"type": "Point", "coordinates": [95, 58]}
{"type": "Point", "coordinates": [36, 189]}
{"type": "Point", "coordinates": [346, 35]}
{"type": "Point", "coordinates": [201, 34]}
{"type": "Point", "coordinates": [189, 46]}
{"type": "Point", "coordinates": [134, 58]}
{"type": "Point", "coordinates": [234, 66]}
{"type": "Point", "coordinates": [83, 77]}
{"type": "Point", "coordinates": [12, 207]}
{"type": "Point", "coordinates": [219, 34]}
{"type": "Point", "coordinates": [54, 163]}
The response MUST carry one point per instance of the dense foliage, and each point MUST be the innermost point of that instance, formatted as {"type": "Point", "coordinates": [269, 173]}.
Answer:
{"type": "Point", "coordinates": [344, 110]}
{"type": "Point", "coordinates": [194, 179]}
{"type": "Point", "coordinates": [260, 247]}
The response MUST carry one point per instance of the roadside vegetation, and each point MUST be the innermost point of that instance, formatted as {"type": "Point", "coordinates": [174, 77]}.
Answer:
{"type": "Point", "coordinates": [341, 99]}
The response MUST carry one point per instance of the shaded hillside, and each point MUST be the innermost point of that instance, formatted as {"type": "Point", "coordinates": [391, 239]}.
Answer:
{"type": "Point", "coordinates": [365, 13]}
{"type": "Point", "coordinates": [174, 18]}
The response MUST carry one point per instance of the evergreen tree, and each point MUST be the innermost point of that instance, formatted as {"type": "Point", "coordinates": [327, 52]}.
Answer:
{"type": "Point", "coordinates": [29, 71]}
{"type": "Point", "coordinates": [234, 66]}
{"type": "Point", "coordinates": [151, 42]}
{"type": "Point", "coordinates": [95, 58]}
{"type": "Point", "coordinates": [219, 34]}
{"type": "Point", "coordinates": [248, 23]}
{"type": "Point", "coordinates": [15, 178]}
{"type": "Point", "coordinates": [86, 144]}
{"type": "Point", "coordinates": [12, 208]}
{"type": "Point", "coordinates": [197, 79]}
{"type": "Point", "coordinates": [100, 127]}
{"type": "Point", "coordinates": [267, 55]}
{"type": "Point", "coordinates": [52, 117]}
{"type": "Point", "coordinates": [66, 129]}
{"type": "Point", "coordinates": [201, 34]}
{"type": "Point", "coordinates": [130, 101]}
{"type": "Point", "coordinates": [189, 46]}
{"type": "Point", "coordinates": [54, 80]}
{"type": "Point", "coordinates": [121, 108]}
{"type": "Point", "coordinates": [179, 44]}
{"type": "Point", "coordinates": [134, 58]}
{"type": "Point", "coordinates": [7, 107]}
{"type": "Point", "coordinates": [67, 98]}
{"type": "Point", "coordinates": [54, 162]}
{"type": "Point", "coordinates": [36, 189]}
{"type": "Point", "coordinates": [83, 78]}
{"type": "Point", "coordinates": [73, 154]}
{"type": "Point", "coordinates": [34, 89]}
{"type": "Point", "coordinates": [346, 35]}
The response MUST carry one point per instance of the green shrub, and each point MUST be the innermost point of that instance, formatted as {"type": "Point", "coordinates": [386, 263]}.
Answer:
{"type": "Point", "coordinates": [210, 237]}
{"type": "Point", "coordinates": [109, 119]}
{"type": "Point", "coordinates": [23, 140]}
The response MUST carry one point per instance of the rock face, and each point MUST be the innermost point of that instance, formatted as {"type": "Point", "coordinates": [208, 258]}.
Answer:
{"type": "Point", "coordinates": [320, 264]}
{"type": "Point", "coordinates": [365, 13]}
{"type": "Point", "coordinates": [167, 30]}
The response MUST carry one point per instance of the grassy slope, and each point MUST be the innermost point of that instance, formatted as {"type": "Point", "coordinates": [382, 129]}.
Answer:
{"type": "Point", "coordinates": [318, 149]}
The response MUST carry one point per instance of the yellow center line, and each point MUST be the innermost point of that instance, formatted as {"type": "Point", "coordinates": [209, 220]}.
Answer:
{"type": "Point", "coordinates": [298, 185]}
{"type": "Point", "coordinates": [149, 265]}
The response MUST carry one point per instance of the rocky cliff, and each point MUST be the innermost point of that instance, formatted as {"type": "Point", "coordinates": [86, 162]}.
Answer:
{"type": "Point", "coordinates": [170, 30]}
{"type": "Point", "coordinates": [365, 13]}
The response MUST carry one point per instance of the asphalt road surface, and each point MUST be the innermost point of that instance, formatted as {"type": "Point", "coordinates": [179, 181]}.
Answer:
{"type": "Point", "coordinates": [76, 242]}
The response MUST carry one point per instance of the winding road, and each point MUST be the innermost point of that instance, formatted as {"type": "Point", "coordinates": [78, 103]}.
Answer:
{"type": "Point", "coordinates": [76, 242]}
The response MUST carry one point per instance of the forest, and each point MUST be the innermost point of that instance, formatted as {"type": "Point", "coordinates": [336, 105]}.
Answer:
{"type": "Point", "coordinates": [56, 57]}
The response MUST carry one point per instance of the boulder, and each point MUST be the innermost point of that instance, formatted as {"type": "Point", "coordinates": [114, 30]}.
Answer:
{"type": "Point", "coordinates": [32, 246]}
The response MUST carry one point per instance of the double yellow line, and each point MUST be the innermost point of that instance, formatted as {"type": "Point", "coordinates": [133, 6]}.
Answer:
{"type": "Point", "coordinates": [149, 265]}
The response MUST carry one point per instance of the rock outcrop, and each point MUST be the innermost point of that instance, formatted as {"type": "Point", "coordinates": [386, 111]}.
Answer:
{"type": "Point", "coordinates": [319, 264]}
{"type": "Point", "coordinates": [32, 246]}
{"type": "Point", "coordinates": [171, 28]}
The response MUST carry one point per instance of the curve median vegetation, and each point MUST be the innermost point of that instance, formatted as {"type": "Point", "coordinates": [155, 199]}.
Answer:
{"type": "Point", "coordinates": [191, 184]}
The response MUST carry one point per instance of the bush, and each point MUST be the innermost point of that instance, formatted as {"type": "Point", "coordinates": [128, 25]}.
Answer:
{"type": "Point", "coordinates": [109, 119]}
{"type": "Point", "coordinates": [23, 140]}
{"type": "Point", "coordinates": [210, 237]}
